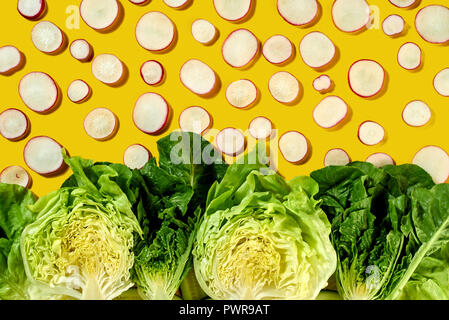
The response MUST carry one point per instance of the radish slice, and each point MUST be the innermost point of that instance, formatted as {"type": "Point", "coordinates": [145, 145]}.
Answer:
{"type": "Point", "coordinates": [194, 119]}
{"type": "Point", "coordinates": [366, 78]}
{"type": "Point", "coordinates": [100, 124]}
{"type": "Point", "coordinates": [136, 156]}
{"type": "Point", "coordinates": [78, 91]}
{"type": "Point", "coordinates": [152, 72]}
{"type": "Point", "coordinates": [198, 77]}
{"type": "Point", "coordinates": [435, 161]}
{"type": "Point", "coordinates": [371, 133]}
{"type": "Point", "coordinates": [409, 56]}
{"type": "Point", "coordinates": [350, 15]}
{"type": "Point", "coordinates": [293, 146]}
{"type": "Point", "coordinates": [240, 48]}
{"type": "Point", "coordinates": [151, 113]}
{"type": "Point", "coordinates": [10, 59]}
{"type": "Point", "coordinates": [322, 84]}
{"type": "Point", "coordinates": [14, 124]}
{"type": "Point", "coordinates": [155, 31]}
{"type": "Point", "coordinates": [99, 14]}
{"type": "Point", "coordinates": [39, 92]}
{"type": "Point", "coordinates": [231, 141]}
{"type": "Point", "coordinates": [43, 155]}
{"type": "Point", "coordinates": [441, 82]}
{"type": "Point", "coordinates": [380, 159]}
{"type": "Point", "coordinates": [403, 3]}
{"type": "Point", "coordinates": [432, 23]}
{"type": "Point", "coordinates": [203, 31]}
{"type": "Point", "coordinates": [107, 68]}
{"type": "Point", "coordinates": [139, 1]}
{"type": "Point", "coordinates": [330, 112]}
{"type": "Point", "coordinates": [31, 9]}
{"type": "Point", "coordinates": [15, 175]}
{"type": "Point", "coordinates": [233, 10]}
{"type": "Point", "coordinates": [416, 113]}
{"type": "Point", "coordinates": [241, 93]}
{"type": "Point", "coordinates": [336, 157]}
{"type": "Point", "coordinates": [81, 50]}
{"type": "Point", "coordinates": [393, 25]}
{"type": "Point", "coordinates": [176, 3]}
{"type": "Point", "coordinates": [47, 37]}
{"type": "Point", "coordinates": [298, 12]}
{"type": "Point", "coordinates": [260, 128]}
{"type": "Point", "coordinates": [317, 50]}
{"type": "Point", "coordinates": [284, 87]}
{"type": "Point", "coordinates": [277, 49]}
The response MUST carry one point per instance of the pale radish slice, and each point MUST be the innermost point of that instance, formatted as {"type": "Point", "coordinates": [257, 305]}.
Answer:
{"type": "Point", "coordinates": [155, 31]}
{"type": "Point", "coordinates": [151, 113]}
{"type": "Point", "coordinates": [441, 82]}
{"type": "Point", "coordinates": [366, 78]}
{"type": "Point", "coordinates": [198, 77]}
{"type": "Point", "coordinates": [100, 124]}
{"type": "Point", "coordinates": [194, 119]}
{"type": "Point", "coordinates": [78, 91]}
{"type": "Point", "coordinates": [99, 14]}
{"type": "Point", "coordinates": [277, 49]}
{"type": "Point", "coordinates": [260, 128]}
{"type": "Point", "coordinates": [393, 25]}
{"type": "Point", "coordinates": [316, 49]}
{"type": "Point", "coordinates": [330, 112]}
{"type": "Point", "coordinates": [152, 72]}
{"type": "Point", "coordinates": [39, 92]}
{"type": "Point", "coordinates": [177, 4]}
{"type": "Point", "coordinates": [31, 9]}
{"type": "Point", "coordinates": [293, 146]}
{"type": "Point", "coordinates": [139, 1]}
{"type": "Point", "coordinates": [322, 84]}
{"type": "Point", "coordinates": [380, 159]}
{"type": "Point", "coordinates": [203, 31]}
{"type": "Point", "coordinates": [15, 175]}
{"type": "Point", "coordinates": [43, 155]}
{"type": "Point", "coordinates": [241, 93]}
{"type": "Point", "coordinates": [231, 141]}
{"type": "Point", "coordinates": [233, 10]}
{"type": "Point", "coordinates": [14, 124]}
{"type": "Point", "coordinates": [47, 37]}
{"type": "Point", "coordinates": [10, 59]}
{"type": "Point", "coordinates": [336, 157]}
{"type": "Point", "coordinates": [81, 50]}
{"type": "Point", "coordinates": [350, 15]}
{"type": "Point", "coordinates": [371, 133]}
{"type": "Point", "coordinates": [298, 12]}
{"type": "Point", "coordinates": [284, 87]}
{"type": "Point", "coordinates": [136, 156]}
{"type": "Point", "coordinates": [416, 113]}
{"type": "Point", "coordinates": [403, 3]}
{"type": "Point", "coordinates": [409, 56]}
{"type": "Point", "coordinates": [435, 161]}
{"type": "Point", "coordinates": [108, 68]}
{"type": "Point", "coordinates": [432, 23]}
{"type": "Point", "coordinates": [240, 48]}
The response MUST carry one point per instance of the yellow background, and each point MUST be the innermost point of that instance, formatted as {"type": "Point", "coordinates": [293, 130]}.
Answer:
{"type": "Point", "coordinates": [66, 123]}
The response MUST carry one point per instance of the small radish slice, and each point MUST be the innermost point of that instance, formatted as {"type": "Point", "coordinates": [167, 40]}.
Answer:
{"type": "Point", "coordinates": [176, 3]}
{"type": "Point", "coordinates": [336, 157]}
{"type": "Point", "coordinates": [330, 112]}
{"type": "Point", "coordinates": [432, 23]}
{"type": "Point", "coordinates": [441, 82]}
{"type": "Point", "coordinates": [39, 92]}
{"type": "Point", "coordinates": [15, 175]}
{"type": "Point", "coordinates": [435, 161]}
{"type": "Point", "coordinates": [240, 48]}
{"type": "Point", "coordinates": [293, 146]}
{"type": "Point", "coordinates": [139, 1]}
{"type": "Point", "coordinates": [203, 31]}
{"type": "Point", "coordinates": [155, 31]}
{"type": "Point", "coordinates": [284, 87]}
{"type": "Point", "coordinates": [403, 3]}
{"type": "Point", "coordinates": [371, 133]}
{"type": "Point", "coordinates": [350, 15]}
{"type": "Point", "coordinates": [393, 25]}
{"type": "Point", "coordinates": [260, 128]}
{"type": "Point", "coordinates": [152, 72]}
{"type": "Point", "coordinates": [14, 124]}
{"type": "Point", "coordinates": [198, 77]}
{"type": "Point", "coordinates": [322, 84]}
{"type": "Point", "coordinates": [380, 159]}
{"type": "Point", "coordinates": [81, 50]}
{"type": "Point", "coordinates": [366, 78]}
{"type": "Point", "coordinates": [416, 113]}
{"type": "Point", "coordinates": [47, 37]}
{"type": "Point", "coordinates": [100, 124]}
{"type": "Point", "coordinates": [10, 59]}
{"type": "Point", "coordinates": [151, 113]}
{"type": "Point", "coordinates": [241, 93]}
{"type": "Point", "coordinates": [277, 49]}
{"type": "Point", "coordinates": [107, 68]}
{"type": "Point", "coordinates": [99, 14]}
{"type": "Point", "coordinates": [31, 9]}
{"type": "Point", "coordinates": [409, 56]}
{"type": "Point", "coordinates": [194, 119]}
{"type": "Point", "coordinates": [136, 156]}
{"type": "Point", "coordinates": [316, 49]}
{"type": "Point", "coordinates": [233, 10]}
{"type": "Point", "coordinates": [78, 91]}
{"type": "Point", "coordinates": [43, 155]}
{"type": "Point", "coordinates": [231, 141]}
{"type": "Point", "coordinates": [298, 12]}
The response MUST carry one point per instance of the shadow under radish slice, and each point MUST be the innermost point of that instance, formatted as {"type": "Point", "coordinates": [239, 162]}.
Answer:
{"type": "Point", "coordinates": [432, 23]}
{"type": "Point", "coordinates": [151, 113]}
{"type": "Point", "coordinates": [366, 78]}
{"type": "Point", "coordinates": [240, 48]}
{"type": "Point", "coordinates": [371, 133]}
{"type": "Point", "coordinates": [194, 119]}
{"type": "Point", "coordinates": [99, 14]}
{"type": "Point", "coordinates": [136, 156]}
{"type": "Point", "coordinates": [393, 25]}
{"type": "Point", "coordinates": [10, 59]}
{"type": "Point", "coordinates": [31, 9]}
{"type": "Point", "coordinates": [277, 49]}
{"type": "Point", "coordinates": [152, 72]}
{"type": "Point", "coordinates": [298, 12]}
{"type": "Point", "coordinates": [100, 124]}
{"type": "Point", "coordinates": [317, 50]}
{"type": "Point", "coordinates": [15, 175]}
{"type": "Point", "coordinates": [336, 157]}
{"type": "Point", "coordinates": [43, 155]}
{"type": "Point", "coordinates": [78, 91]}
{"type": "Point", "coordinates": [330, 112]}
{"type": "Point", "coordinates": [294, 146]}
{"type": "Point", "coordinates": [155, 31]}
{"type": "Point", "coordinates": [284, 87]}
{"type": "Point", "coordinates": [380, 159]}
{"type": "Point", "coordinates": [409, 56]}
{"type": "Point", "coordinates": [108, 69]}
{"type": "Point", "coordinates": [39, 92]}
{"type": "Point", "coordinates": [260, 128]}
{"type": "Point", "coordinates": [14, 124]}
{"type": "Point", "coordinates": [233, 10]}
{"type": "Point", "coordinates": [231, 141]}
{"type": "Point", "coordinates": [47, 37]}
{"type": "Point", "coordinates": [435, 161]}
{"type": "Point", "coordinates": [416, 113]}
{"type": "Point", "coordinates": [198, 77]}
{"type": "Point", "coordinates": [81, 50]}
{"type": "Point", "coordinates": [403, 3]}
{"type": "Point", "coordinates": [241, 93]}
{"type": "Point", "coordinates": [203, 31]}
{"type": "Point", "coordinates": [441, 82]}
{"type": "Point", "coordinates": [322, 84]}
{"type": "Point", "coordinates": [350, 15]}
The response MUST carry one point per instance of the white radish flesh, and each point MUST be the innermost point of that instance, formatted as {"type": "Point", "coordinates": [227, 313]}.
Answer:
{"type": "Point", "coordinates": [78, 91]}
{"type": "Point", "coordinates": [81, 50]}
{"type": "Point", "coordinates": [284, 87]}
{"type": "Point", "coordinates": [260, 128]}
{"type": "Point", "coordinates": [336, 157]}
{"type": "Point", "coordinates": [330, 112]}
{"type": "Point", "coordinates": [47, 37]}
{"type": "Point", "coordinates": [277, 49]}
{"type": "Point", "coordinates": [350, 15]}
{"type": "Point", "coordinates": [293, 146]}
{"type": "Point", "coordinates": [203, 31]}
{"type": "Point", "coordinates": [409, 56]}
{"type": "Point", "coordinates": [107, 68]}
{"type": "Point", "coordinates": [194, 119]}
{"type": "Point", "coordinates": [380, 159]}
{"type": "Point", "coordinates": [155, 31]}
{"type": "Point", "coordinates": [15, 175]}
{"type": "Point", "coordinates": [432, 23]}
{"type": "Point", "coordinates": [136, 156]}
{"type": "Point", "coordinates": [233, 10]}
{"type": "Point", "coordinates": [31, 9]}
{"type": "Point", "coordinates": [403, 3]}
{"type": "Point", "coordinates": [435, 161]}
{"type": "Point", "coordinates": [371, 133]}
{"type": "Point", "coordinates": [99, 14]}
{"type": "Point", "coordinates": [441, 82]}
{"type": "Point", "coordinates": [416, 113]}
{"type": "Point", "coordinates": [322, 84]}
{"type": "Point", "coordinates": [100, 124]}
{"type": "Point", "coordinates": [39, 91]}
{"type": "Point", "coordinates": [240, 48]}
{"type": "Point", "coordinates": [366, 78]}
{"type": "Point", "coordinates": [393, 25]}
{"type": "Point", "coordinates": [298, 12]}
{"type": "Point", "coordinates": [139, 1]}
{"type": "Point", "coordinates": [151, 113]}
{"type": "Point", "coordinates": [152, 72]}
{"type": "Point", "coordinates": [14, 124]}
{"type": "Point", "coordinates": [43, 155]}
{"type": "Point", "coordinates": [231, 141]}
{"type": "Point", "coordinates": [241, 93]}
{"type": "Point", "coordinates": [316, 49]}
{"type": "Point", "coordinates": [10, 59]}
{"type": "Point", "coordinates": [198, 77]}
{"type": "Point", "coordinates": [176, 3]}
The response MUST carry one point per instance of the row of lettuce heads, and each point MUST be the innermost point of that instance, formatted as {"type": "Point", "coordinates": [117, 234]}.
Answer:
{"type": "Point", "coordinates": [377, 233]}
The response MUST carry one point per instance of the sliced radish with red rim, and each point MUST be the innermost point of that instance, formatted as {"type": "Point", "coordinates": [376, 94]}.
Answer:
{"type": "Point", "coordinates": [330, 112]}
{"type": "Point", "coordinates": [151, 113]}
{"type": "Point", "coordinates": [194, 119]}
{"type": "Point", "coordinates": [231, 141]}
{"type": "Point", "coordinates": [100, 124]}
{"type": "Point", "coordinates": [136, 156]}
{"type": "Point", "coordinates": [81, 50]}
{"type": "Point", "coordinates": [43, 155]}
{"type": "Point", "coordinates": [233, 10]}
{"type": "Point", "coordinates": [298, 12]}
{"type": "Point", "coordinates": [403, 3]}
{"type": "Point", "coordinates": [441, 82]}
{"type": "Point", "coordinates": [277, 49]}
{"type": "Point", "coordinates": [284, 87]}
{"type": "Point", "coordinates": [152, 72]}
{"type": "Point", "coordinates": [31, 9]}
{"type": "Point", "coordinates": [139, 1]}
{"type": "Point", "coordinates": [10, 59]}
{"type": "Point", "coordinates": [317, 50]}
{"type": "Point", "coordinates": [322, 84]}
{"type": "Point", "coordinates": [435, 161]}
{"type": "Point", "coordinates": [39, 92]}
{"type": "Point", "coordinates": [336, 157]}
{"type": "Point", "coordinates": [366, 78]}
{"type": "Point", "coordinates": [15, 175]}
{"type": "Point", "coordinates": [409, 56]}
{"type": "Point", "coordinates": [198, 77]}
{"type": "Point", "coordinates": [350, 15]}
{"type": "Point", "coordinates": [371, 133]}
{"type": "Point", "coordinates": [47, 37]}
{"type": "Point", "coordinates": [260, 128]}
{"type": "Point", "coordinates": [14, 124]}
{"type": "Point", "coordinates": [155, 31]}
{"type": "Point", "coordinates": [240, 48]}
{"type": "Point", "coordinates": [99, 14]}
{"type": "Point", "coordinates": [432, 23]}
{"type": "Point", "coordinates": [416, 113]}
{"type": "Point", "coordinates": [177, 4]}
{"type": "Point", "coordinates": [203, 31]}
{"type": "Point", "coordinates": [78, 91]}
{"type": "Point", "coordinates": [108, 68]}
{"type": "Point", "coordinates": [393, 25]}
{"type": "Point", "coordinates": [293, 146]}
{"type": "Point", "coordinates": [241, 93]}
{"type": "Point", "coordinates": [380, 159]}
